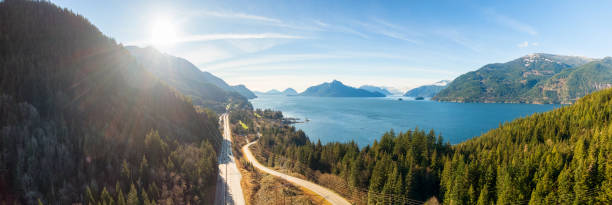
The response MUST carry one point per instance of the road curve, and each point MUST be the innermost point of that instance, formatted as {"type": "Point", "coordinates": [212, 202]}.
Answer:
{"type": "Point", "coordinates": [329, 195]}
{"type": "Point", "coordinates": [228, 190]}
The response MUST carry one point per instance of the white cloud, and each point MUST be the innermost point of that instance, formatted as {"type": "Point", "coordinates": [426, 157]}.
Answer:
{"type": "Point", "coordinates": [340, 28]}
{"type": "Point", "coordinates": [235, 15]}
{"type": "Point", "coordinates": [214, 37]}
{"type": "Point", "coordinates": [270, 62]}
{"type": "Point", "coordinates": [511, 23]}
{"type": "Point", "coordinates": [255, 45]}
{"type": "Point", "coordinates": [526, 44]}
{"type": "Point", "coordinates": [232, 36]}
{"type": "Point", "coordinates": [270, 59]}
{"type": "Point", "coordinates": [391, 30]}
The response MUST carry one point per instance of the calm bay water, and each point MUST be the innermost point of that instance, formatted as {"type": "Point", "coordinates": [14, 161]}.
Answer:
{"type": "Point", "coordinates": [366, 119]}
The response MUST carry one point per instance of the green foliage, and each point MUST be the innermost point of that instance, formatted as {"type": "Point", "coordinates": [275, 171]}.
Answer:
{"type": "Point", "coordinates": [572, 84]}
{"type": "Point", "coordinates": [536, 78]}
{"type": "Point", "coordinates": [80, 115]}
{"type": "Point", "coordinates": [132, 198]}
{"type": "Point", "coordinates": [269, 114]}
{"type": "Point", "coordinates": [558, 157]}
{"type": "Point", "coordinates": [400, 164]}
{"type": "Point", "coordinates": [244, 126]}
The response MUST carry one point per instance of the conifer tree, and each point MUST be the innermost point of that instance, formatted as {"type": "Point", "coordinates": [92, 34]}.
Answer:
{"type": "Point", "coordinates": [132, 198]}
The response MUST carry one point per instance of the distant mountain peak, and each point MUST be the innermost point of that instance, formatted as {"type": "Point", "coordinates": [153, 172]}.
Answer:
{"type": "Point", "coordinates": [335, 88]}
{"type": "Point", "coordinates": [532, 58]}
{"type": "Point", "coordinates": [290, 91]}
{"type": "Point", "coordinates": [536, 77]}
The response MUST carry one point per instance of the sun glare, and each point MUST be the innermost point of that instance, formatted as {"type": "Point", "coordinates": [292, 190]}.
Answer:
{"type": "Point", "coordinates": [163, 33]}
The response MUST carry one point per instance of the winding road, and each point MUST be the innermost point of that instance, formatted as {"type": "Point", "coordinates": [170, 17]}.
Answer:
{"type": "Point", "coordinates": [329, 195]}
{"type": "Point", "coordinates": [228, 190]}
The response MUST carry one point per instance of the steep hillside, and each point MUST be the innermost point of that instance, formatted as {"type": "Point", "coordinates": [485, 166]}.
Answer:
{"type": "Point", "coordinates": [567, 86]}
{"type": "Point", "coordinates": [83, 122]}
{"type": "Point", "coordinates": [244, 91]}
{"type": "Point", "coordinates": [558, 157]}
{"type": "Point", "coordinates": [507, 82]}
{"type": "Point", "coordinates": [337, 89]}
{"type": "Point", "coordinates": [204, 88]}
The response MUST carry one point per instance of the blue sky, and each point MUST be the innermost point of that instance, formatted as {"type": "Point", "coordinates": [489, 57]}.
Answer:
{"type": "Point", "coordinates": [402, 44]}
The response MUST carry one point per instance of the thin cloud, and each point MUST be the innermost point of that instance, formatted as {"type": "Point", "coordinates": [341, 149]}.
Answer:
{"type": "Point", "coordinates": [511, 23]}
{"type": "Point", "coordinates": [212, 37]}
{"type": "Point", "coordinates": [390, 30]}
{"type": "Point", "coordinates": [235, 15]}
{"type": "Point", "coordinates": [215, 37]}
{"type": "Point", "coordinates": [526, 44]}
{"type": "Point", "coordinates": [269, 60]}
{"type": "Point", "coordinates": [263, 19]}
{"type": "Point", "coordinates": [340, 28]}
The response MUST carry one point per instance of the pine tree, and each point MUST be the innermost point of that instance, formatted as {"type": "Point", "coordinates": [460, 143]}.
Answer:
{"type": "Point", "coordinates": [90, 197]}
{"type": "Point", "coordinates": [472, 195]}
{"type": "Point", "coordinates": [580, 185]}
{"type": "Point", "coordinates": [145, 198]}
{"type": "Point", "coordinates": [125, 170]}
{"type": "Point", "coordinates": [121, 198]}
{"type": "Point", "coordinates": [484, 197]}
{"type": "Point", "coordinates": [132, 198]}
{"type": "Point", "coordinates": [565, 189]}
{"type": "Point", "coordinates": [106, 198]}
{"type": "Point", "coordinates": [605, 195]}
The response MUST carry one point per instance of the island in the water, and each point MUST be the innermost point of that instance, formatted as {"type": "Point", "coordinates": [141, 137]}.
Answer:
{"type": "Point", "coordinates": [337, 89]}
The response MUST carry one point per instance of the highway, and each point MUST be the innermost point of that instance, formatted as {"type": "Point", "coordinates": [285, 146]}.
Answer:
{"type": "Point", "coordinates": [329, 195]}
{"type": "Point", "coordinates": [228, 190]}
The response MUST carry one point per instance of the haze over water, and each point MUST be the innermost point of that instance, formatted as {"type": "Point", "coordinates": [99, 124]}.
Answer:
{"type": "Point", "coordinates": [366, 119]}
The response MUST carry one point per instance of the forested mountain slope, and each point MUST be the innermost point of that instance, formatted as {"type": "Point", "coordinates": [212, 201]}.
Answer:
{"type": "Point", "coordinates": [569, 85]}
{"type": "Point", "coordinates": [559, 157]}
{"type": "Point", "coordinates": [202, 87]}
{"type": "Point", "coordinates": [82, 122]}
{"type": "Point", "coordinates": [508, 82]}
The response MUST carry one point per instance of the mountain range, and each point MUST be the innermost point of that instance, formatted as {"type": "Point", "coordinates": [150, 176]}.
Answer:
{"type": "Point", "coordinates": [337, 89]}
{"type": "Point", "coordinates": [427, 91]}
{"type": "Point", "coordinates": [535, 78]}
{"type": "Point", "coordinates": [372, 88]}
{"type": "Point", "coordinates": [287, 92]}
{"type": "Point", "coordinates": [202, 87]}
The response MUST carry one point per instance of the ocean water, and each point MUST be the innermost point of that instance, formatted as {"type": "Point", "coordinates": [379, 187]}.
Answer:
{"type": "Point", "coordinates": [366, 119]}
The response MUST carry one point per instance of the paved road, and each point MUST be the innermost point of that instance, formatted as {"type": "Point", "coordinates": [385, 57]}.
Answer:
{"type": "Point", "coordinates": [228, 190]}
{"type": "Point", "coordinates": [329, 195]}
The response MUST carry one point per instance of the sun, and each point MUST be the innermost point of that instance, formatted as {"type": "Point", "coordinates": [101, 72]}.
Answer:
{"type": "Point", "coordinates": [163, 33]}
